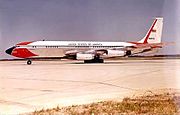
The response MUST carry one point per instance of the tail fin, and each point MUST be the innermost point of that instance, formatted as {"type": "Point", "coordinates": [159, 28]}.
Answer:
{"type": "Point", "coordinates": [155, 32]}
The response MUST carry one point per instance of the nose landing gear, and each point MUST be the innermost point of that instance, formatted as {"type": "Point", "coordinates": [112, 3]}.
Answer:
{"type": "Point", "coordinates": [29, 62]}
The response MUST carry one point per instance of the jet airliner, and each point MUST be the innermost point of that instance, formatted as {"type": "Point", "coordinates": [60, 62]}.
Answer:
{"type": "Point", "coordinates": [89, 51]}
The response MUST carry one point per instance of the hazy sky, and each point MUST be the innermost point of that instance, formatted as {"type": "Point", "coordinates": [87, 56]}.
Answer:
{"type": "Point", "coordinates": [95, 20]}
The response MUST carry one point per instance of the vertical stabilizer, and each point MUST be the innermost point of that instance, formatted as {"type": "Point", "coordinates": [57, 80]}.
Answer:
{"type": "Point", "coordinates": [155, 32]}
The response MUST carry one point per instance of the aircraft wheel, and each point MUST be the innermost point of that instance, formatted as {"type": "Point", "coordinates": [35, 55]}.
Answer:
{"type": "Point", "coordinates": [29, 62]}
{"type": "Point", "coordinates": [94, 61]}
{"type": "Point", "coordinates": [100, 61]}
{"type": "Point", "coordinates": [88, 61]}
{"type": "Point", "coordinates": [128, 52]}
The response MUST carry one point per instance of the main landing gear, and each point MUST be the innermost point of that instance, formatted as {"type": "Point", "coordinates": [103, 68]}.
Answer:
{"type": "Point", "coordinates": [96, 59]}
{"type": "Point", "coordinates": [29, 62]}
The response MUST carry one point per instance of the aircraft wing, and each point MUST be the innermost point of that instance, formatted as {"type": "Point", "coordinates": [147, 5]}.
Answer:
{"type": "Point", "coordinates": [113, 52]}
{"type": "Point", "coordinates": [96, 53]}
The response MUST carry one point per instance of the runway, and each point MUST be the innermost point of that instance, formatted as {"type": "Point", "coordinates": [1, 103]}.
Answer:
{"type": "Point", "coordinates": [46, 84]}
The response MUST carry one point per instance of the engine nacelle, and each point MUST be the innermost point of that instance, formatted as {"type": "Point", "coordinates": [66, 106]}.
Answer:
{"type": "Point", "coordinates": [80, 56]}
{"type": "Point", "coordinates": [116, 53]}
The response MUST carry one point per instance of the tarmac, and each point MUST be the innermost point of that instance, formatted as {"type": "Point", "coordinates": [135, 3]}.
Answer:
{"type": "Point", "coordinates": [47, 84]}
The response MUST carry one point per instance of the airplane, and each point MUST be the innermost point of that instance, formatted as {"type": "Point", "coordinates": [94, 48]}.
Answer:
{"type": "Point", "coordinates": [89, 51]}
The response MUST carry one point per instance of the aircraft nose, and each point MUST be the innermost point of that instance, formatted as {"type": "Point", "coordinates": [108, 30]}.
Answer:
{"type": "Point", "coordinates": [9, 51]}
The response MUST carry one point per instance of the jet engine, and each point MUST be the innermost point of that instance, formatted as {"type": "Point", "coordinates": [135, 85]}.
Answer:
{"type": "Point", "coordinates": [114, 53]}
{"type": "Point", "coordinates": [81, 56]}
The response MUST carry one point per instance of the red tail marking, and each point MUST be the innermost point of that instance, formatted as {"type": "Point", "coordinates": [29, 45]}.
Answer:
{"type": "Point", "coordinates": [151, 29]}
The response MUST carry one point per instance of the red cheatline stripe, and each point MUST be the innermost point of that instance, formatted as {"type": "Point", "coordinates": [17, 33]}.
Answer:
{"type": "Point", "coordinates": [22, 53]}
{"type": "Point", "coordinates": [145, 41]}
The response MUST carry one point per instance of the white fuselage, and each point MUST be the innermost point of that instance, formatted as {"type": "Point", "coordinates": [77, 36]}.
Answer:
{"type": "Point", "coordinates": [61, 48]}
